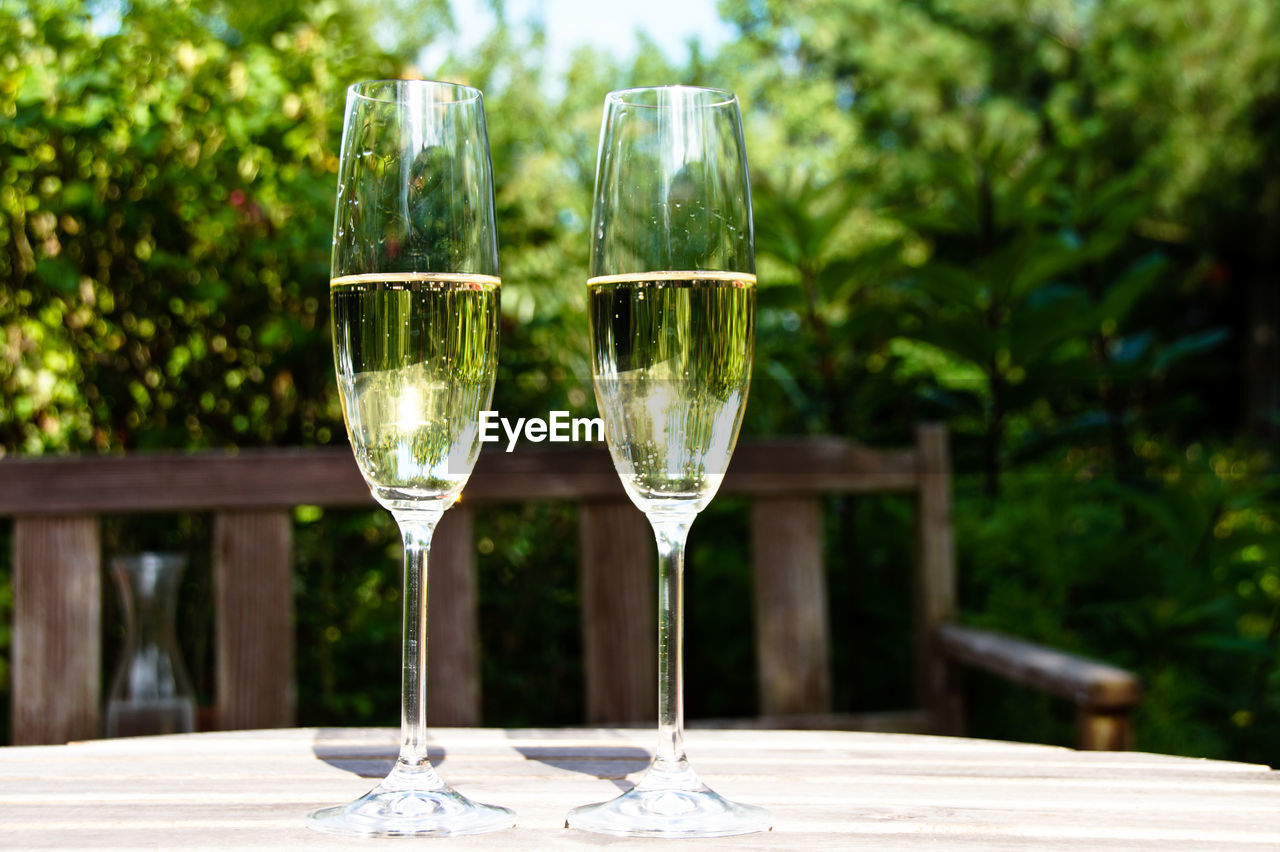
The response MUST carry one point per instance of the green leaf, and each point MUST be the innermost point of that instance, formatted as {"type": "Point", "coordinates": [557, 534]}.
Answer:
{"type": "Point", "coordinates": [1192, 344]}
{"type": "Point", "coordinates": [60, 274]}
{"type": "Point", "coordinates": [1137, 281]}
{"type": "Point", "coordinates": [948, 285]}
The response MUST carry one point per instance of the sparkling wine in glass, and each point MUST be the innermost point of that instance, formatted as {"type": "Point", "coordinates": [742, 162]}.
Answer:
{"type": "Point", "coordinates": [414, 301]}
{"type": "Point", "coordinates": [671, 301]}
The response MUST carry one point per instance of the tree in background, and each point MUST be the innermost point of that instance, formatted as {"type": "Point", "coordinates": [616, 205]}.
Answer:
{"type": "Point", "coordinates": [1025, 184]}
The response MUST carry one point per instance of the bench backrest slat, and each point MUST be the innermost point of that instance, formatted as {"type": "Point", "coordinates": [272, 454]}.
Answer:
{"type": "Point", "coordinates": [619, 637]}
{"type": "Point", "coordinates": [253, 593]}
{"type": "Point", "coordinates": [259, 479]}
{"type": "Point", "coordinates": [57, 629]}
{"type": "Point", "coordinates": [792, 632]}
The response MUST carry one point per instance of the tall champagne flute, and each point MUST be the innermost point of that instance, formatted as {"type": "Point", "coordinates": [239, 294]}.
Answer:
{"type": "Point", "coordinates": [672, 308]}
{"type": "Point", "coordinates": [414, 298]}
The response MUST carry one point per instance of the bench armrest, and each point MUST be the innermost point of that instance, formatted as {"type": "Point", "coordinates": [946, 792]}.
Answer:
{"type": "Point", "coordinates": [1088, 683]}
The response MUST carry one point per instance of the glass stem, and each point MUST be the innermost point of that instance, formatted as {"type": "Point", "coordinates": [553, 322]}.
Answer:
{"type": "Point", "coordinates": [416, 528]}
{"type": "Point", "coordinates": [671, 534]}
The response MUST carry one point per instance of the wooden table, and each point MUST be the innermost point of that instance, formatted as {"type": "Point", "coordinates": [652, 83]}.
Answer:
{"type": "Point", "coordinates": [828, 790]}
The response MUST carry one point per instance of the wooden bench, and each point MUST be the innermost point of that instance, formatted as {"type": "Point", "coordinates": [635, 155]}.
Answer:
{"type": "Point", "coordinates": [56, 503]}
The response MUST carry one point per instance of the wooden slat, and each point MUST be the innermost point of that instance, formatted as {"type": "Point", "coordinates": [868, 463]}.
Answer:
{"type": "Point", "coordinates": [1086, 682]}
{"type": "Point", "coordinates": [785, 467]}
{"type": "Point", "coordinates": [938, 686]}
{"type": "Point", "coordinates": [57, 620]}
{"type": "Point", "coordinates": [1102, 730]}
{"type": "Point", "coordinates": [544, 473]}
{"type": "Point", "coordinates": [792, 635]}
{"type": "Point", "coordinates": [181, 482]}
{"type": "Point", "coordinates": [253, 584]}
{"type": "Point", "coordinates": [453, 655]}
{"type": "Point", "coordinates": [250, 479]}
{"type": "Point", "coordinates": [619, 583]}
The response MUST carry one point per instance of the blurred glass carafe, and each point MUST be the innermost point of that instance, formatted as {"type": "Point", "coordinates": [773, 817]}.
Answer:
{"type": "Point", "coordinates": [150, 693]}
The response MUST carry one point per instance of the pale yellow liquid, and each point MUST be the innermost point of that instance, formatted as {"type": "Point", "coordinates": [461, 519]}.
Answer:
{"type": "Point", "coordinates": [416, 357]}
{"type": "Point", "coordinates": [671, 360]}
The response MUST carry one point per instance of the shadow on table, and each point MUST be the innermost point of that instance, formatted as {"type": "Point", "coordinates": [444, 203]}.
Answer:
{"type": "Point", "coordinates": [607, 761]}
{"type": "Point", "coordinates": [338, 748]}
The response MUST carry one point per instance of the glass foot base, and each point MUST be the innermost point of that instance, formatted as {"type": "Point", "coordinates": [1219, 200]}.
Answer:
{"type": "Point", "coordinates": [664, 807]}
{"type": "Point", "coordinates": [399, 808]}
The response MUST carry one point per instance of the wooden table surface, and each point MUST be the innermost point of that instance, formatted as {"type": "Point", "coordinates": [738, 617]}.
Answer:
{"type": "Point", "coordinates": [827, 790]}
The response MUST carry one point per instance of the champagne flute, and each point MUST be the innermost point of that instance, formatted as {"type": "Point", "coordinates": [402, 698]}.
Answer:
{"type": "Point", "coordinates": [672, 309]}
{"type": "Point", "coordinates": [414, 299]}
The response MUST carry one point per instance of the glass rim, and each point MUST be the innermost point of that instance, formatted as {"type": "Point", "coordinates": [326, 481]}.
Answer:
{"type": "Point", "coordinates": [463, 94]}
{"type": "Point", "coordinates": [721, 97]}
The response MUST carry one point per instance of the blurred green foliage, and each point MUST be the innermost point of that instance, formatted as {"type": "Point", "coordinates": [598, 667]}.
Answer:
{"type": "Point", "coordinates": [1175, 576]}
{"type": "Point", "coordinates": [1053, 224]}
{"type": "Point", "coordinates": [163, 241]}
